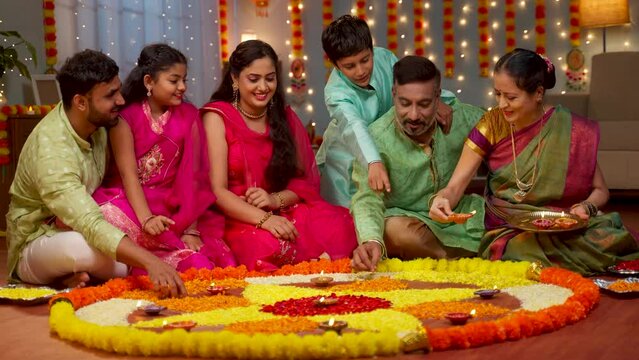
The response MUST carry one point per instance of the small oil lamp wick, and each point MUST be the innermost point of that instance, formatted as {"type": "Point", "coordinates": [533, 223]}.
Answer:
{"type": "Point", "coordinates": [333, 325]}
{"type": "Point", "coordinates": [323, 302]}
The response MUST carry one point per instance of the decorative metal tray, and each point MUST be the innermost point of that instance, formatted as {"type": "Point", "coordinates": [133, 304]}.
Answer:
{"type": "Point", "coordinates": [18, 294]}
{"type": "Point", "coordinates": [625, 272]}
{"type": "Point", "coordinates": [605, 285]}
{"type": "Point", "coordinates": [525, 221]}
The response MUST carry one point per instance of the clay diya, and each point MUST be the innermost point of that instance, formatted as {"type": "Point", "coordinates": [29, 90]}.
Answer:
{"type": "Point", "coordinates": [216, 290]}
{"type": "Point", "coordinates": [565, 222]}
{"type": "Point", "coordinates": [333, 325]}
{"type": "Point", "coordinates": [186, 325]}
{"type": "Point", "coordinates": [460, 218]}
{"type": "Point", "coordinates": [542, 223]}
{"type": "Point", "coordinates": [487, 293]}
{"type": "Point", "coordinates": [323, 302]}
{"type": "Point", "coordinates": [458, 318]}
{"type": "Point", "coordinates": [322, 280]}
{"type": "Point", "coordinates": [152, 309]}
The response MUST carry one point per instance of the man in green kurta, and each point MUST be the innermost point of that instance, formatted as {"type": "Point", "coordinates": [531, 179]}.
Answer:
{"type": "Point", "coordinates": [420, 160]}
{"type": "Point", "coordinates": [55, 230]}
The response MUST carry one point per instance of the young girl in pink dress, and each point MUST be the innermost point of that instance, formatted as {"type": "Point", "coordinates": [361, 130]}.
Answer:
{"type": "Point", "coordinates": [157, 190]}
{"type": "Point", "coordinates": [263, 170]}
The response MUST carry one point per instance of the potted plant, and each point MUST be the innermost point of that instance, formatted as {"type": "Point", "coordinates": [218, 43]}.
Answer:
{"type": "Point", "coordinates": [9, 57]}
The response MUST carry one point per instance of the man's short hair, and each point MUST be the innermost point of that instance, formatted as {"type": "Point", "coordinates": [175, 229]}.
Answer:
{"type": "Point", "coordinates": [346, 36]}
{"type": "Point", "coordinates": [411, 69]}
{"type": "Point", "coordinates": [81, 72]}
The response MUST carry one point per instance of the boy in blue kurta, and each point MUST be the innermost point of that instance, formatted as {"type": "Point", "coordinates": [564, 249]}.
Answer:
{"type": "Point", "coordinates": [420, 160]}
{"type": "Point", "coordinates": [358, 91]}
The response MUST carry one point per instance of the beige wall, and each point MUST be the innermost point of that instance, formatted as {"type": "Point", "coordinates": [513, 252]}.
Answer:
{"type": "Point", "coordinates": [24, 16]}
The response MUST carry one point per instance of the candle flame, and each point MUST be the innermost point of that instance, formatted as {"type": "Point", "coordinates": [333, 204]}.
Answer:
{"type": "Point", "coordinates": [494, 287]}
{"type": "Point", "coordinates": [321, 299]}
{"type": "Point", "coordinates": [212, 284]}
{"type": "Point", "coordinates": [139, 303]}
{"type": "Point", "coordinates": [562, 214]}
{"type": "Point", "coordinates": [474, 212]}
{"type": "Point", "coordinates": [164, 322]}
{"type": "Point", "coordinates": [473, 312]}
{"type": "Point", "coordinates": [322, 273]}
{"type": "Point", "coordinates": [542, 215]}
{"type": "Point", "coordinates": [331, 322]}
{"type": "Point", "coordinates": [30, 108]}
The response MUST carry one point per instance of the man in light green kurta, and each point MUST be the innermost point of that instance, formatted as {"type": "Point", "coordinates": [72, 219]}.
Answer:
{"type": "Point", "coordinates": [420, 160]}
{"type": "Point", "coordinates": [55, 230]}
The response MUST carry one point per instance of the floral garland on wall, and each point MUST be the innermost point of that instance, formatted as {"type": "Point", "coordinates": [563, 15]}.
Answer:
{"type": "Point", "coordinates": [224, 31]}
{"type": "Point", "coordinates": [50, 45]}
{"type": "Point", "coordinates": [9, 110]}
{"type": "Point", "coordinates": [298, 59]}
{"type": "Point", "coordinates": [449, 39]}
{"type": "Point", "coordinates": [360, 9]}
{"type": "Point", "coordinates": [509, 25]}
{"type": "Point", "coordinates": [575, 60]}
{"type": "Point", "coordinates": [482, 24]}
{"type": "Point", "coordinates": [540, 26]}
{"type": "Point", "coordinates": [253, 333]}
{"type": "Point", "coordinates": [327, 18]}
{"type": "Point", "coordinates": [391, 29]}
{"type": "Point", "coordinates": [419, 28]}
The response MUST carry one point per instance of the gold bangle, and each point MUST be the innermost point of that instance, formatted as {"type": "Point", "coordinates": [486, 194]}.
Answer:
{"type": "Point", "coordinates": [263, 220]}
{"type": "Point", "coordinates": [279, 196]}
{"type": "Point", "coordinates": [145, 221]}
{"type": "Point", "coordinates": [431, 199]}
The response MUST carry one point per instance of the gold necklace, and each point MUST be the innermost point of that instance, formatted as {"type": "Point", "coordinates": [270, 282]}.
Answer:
{"type": "Point", "coordinates": [522, 186]}
{"type": "Point", "coordinates": [247, 114]}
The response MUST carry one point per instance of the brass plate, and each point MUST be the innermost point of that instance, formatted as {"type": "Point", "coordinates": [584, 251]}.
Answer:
{"type": "Point", "coordinates": [524, 221]}
{"type": "Point", "coordinates": [605, 285]}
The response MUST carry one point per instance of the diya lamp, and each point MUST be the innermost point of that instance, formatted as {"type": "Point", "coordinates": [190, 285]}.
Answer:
{"type": "Point", "coordinates": [459, 318]}
{"type": "Point", "coordinates": [333, 325]}
{"type": "Point", "coordinates": [543, 223]}
{"type": "Point", "coordinates": [322, 280]}
{"type": "Point", "coordinates": [323, 302]}
{"type": "Point", "coordinates": [30, 111]}
{"type": "Point", "coordinates": [487, 293]}
{"type": "Point", "coordinates": [216, 290]}
{"type": "Point", "coordinates": [186, 325]}
{"type": "Point", "coordinates": [151, 309]}
{"type": "Point", "coordinates": [565, 222]}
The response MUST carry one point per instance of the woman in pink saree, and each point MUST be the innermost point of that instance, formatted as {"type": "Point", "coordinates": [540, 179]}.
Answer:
{"type": "Point", "coordinates": [157, 189]}
{"type": "Point", "coordinates": [264, 173]}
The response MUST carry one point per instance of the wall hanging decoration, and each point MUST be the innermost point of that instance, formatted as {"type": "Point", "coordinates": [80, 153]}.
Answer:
{"type": "Point", "coordinates": [11, 110]}
{"type": "Point", "coordinates": [449, 39]}
{"type": "Point", "coordinates": [419, 28]}
{"type": "Point", "coordinates": [575, 60]}
{"type": "Point", "coordinates": [297, 72]}
{"type": "Point", "coordinates": [509, 25]}
{"type": "Point", "coordinates": [540, 26]}
{"type": "Point", "coordinates": [360, 9]}
{"type": "Point", "coordinates": [224, 31]}
{"type": "Point", "coordinates": [483, 52]}
{"type": "Point", "coordinates": [391, 29]}
{"type": "Point", "coordinates": [261, 8]}
{"type": "Point", "coordinates": [50, 45]}
{"type": "Point", "coordinates": [327, 18]}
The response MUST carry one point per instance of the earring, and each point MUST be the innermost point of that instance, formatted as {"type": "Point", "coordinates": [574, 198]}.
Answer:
{"type": "Point", "coordinates": [236, 93]}
{"type": "Point", "coordinates": [148, 92]}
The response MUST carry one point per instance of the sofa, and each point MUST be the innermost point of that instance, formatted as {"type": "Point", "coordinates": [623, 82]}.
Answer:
{"type": "Point", "coordinates": [613, 101]}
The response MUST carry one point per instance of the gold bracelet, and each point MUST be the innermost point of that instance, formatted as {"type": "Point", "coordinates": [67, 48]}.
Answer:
{"type": "Point", "coordinates": [431, 199]}
{"type": "Point", "coordinates": [263, 220]}
{"type": "Point", "coordinates": [279, 196]}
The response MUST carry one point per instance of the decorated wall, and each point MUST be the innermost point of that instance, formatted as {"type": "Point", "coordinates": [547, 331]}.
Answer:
{"type": "Point", "coordinates": [463, 37]}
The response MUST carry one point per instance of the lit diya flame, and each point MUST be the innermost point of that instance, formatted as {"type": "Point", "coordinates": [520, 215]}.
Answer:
{"type": "Point", "coordinates": [333, 325]}
{"type": "Point", "coordinates": [473, 312]}
{"type": "Point", "coordinates": [30, 110]}
{"type": "Point", "coordinates": [322, 280]}
{"type": "Point", "coordinates": [542, 223]}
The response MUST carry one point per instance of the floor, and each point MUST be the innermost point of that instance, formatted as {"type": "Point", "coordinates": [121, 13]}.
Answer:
{"type": "Point", "coordinates": [610, 331]}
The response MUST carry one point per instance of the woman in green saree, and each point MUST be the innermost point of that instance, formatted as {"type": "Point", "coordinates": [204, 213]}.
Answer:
{"type": "Point", "coordinates": [539, 158]}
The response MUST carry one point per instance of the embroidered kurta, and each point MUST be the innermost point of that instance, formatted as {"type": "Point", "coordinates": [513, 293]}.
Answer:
{"type": "Point", "coordinates": [416, 174]}
{"type": "Point", "coordinates": [352, 109]}
{"type": "Point", "coordinates": [56, 174]}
